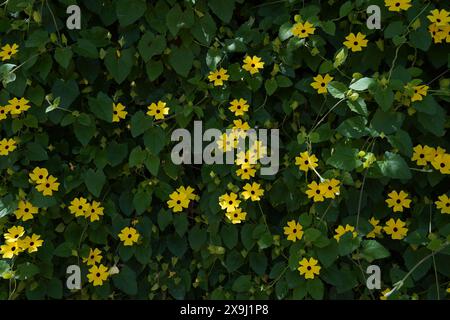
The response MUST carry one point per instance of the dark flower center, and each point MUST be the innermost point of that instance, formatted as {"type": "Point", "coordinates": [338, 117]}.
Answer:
{"type": "Point", "coordinates": [47, 185]}
{"type": "Point", "coordinates": [230, 202]}
{"type": "Point", "coordinates": [318, 191]}
{"type": "Point", "coordinates": [397, 4]}
{"type": "Point", "coordinates": [306, 162]}
{"type": "Point", "coordinates": [178, 201]}
{"type": "Point", "coordinates": [253, 65]}
{"type": "Point", "coordinates": [395, 229]}
{"type": "Point", "coordinates": [31, 243]}
{"type": "Point", "coordinates": [422, 156]}
{"type": "Point", "coordinates": [97, 274]}
{"type": "Point", "coordinates": [355, 43]}
{"type": "Point", "coordinates": [308, 267]}
{"type": "Point", "coordinates": [442, 165]}
{"type": "Point", "coordinates": [218, 76]}
{"type": "Point", "coordinates": [322, 84]}
{"type": "Point", "coordinates": [92, 257]}
{"type": "Point", "coordinates": [129, 236]}
{"type": "Point", "coordinates": [27, 210]}
{"type": "Point", "coordinates": [235, 215]}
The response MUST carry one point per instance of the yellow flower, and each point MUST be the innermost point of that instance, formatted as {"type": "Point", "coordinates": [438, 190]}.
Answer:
{"type": "Point", "coordinates": [376, 231]}
{"type": "Point", "coordinates": [320, 83]}
{"type": "Point", "coordinates": [245, 172]}
{"type": "Point", "coordinates": [438, 33]}
{"type": "Point", "coordinates": [32, 243]}
{"type": "Point", "coordinates": [316, 191]}
{"type": "Point", "coordinates": [396, 229]}
{"type": "Point", "coordinates": [309, 268]}
{"type": "Point", "coordinates": [443, 204]}
{"type": "Point", "coordinates": [25, 210]}
{"type": "Point", "coordinates": [129, 236]}
{"type": "Point", "coordinates": [442, 163]}
{"type": "Point", "coordinates": [440, 18]}
{"type": "Point", "coordinates": [17, 106]}
{"type": "Point", "coordinates": [446, 33]}
{"type": "Point", "coordinates": [94, 211]}
{"type": "Point", "coordinates": [398, 201]}
{"type": "Point", "coordinates": [79, 207]}
{"type": "Point", "coordinates": [294, 231]}
{"type": "Point", "coordinates": [306, 161]}
{"type": "Point", "coordinates": [229, 202]}
{"type": "Point", "coordinates": [239, 107]}
{"type": "Point", "coordinates": [158, 111]}
{"type": "Point", "coordinates": [94, 257]}
{"type": "Point", "coordinates": [4, 112]}
{"type": "Point", "coordinates": [39, 175]}
{"type": "Point", "coordinates": [236, 216]}
{"type": "Point", "coordinates": [245, 158]}
{"type": "Point", "coordinates": [253, 191]}
{"type": "Point", "coordinates": [119, 112]}
{"type": "Point", "coordinates": [341, 230]}
{"type": "Point", "coordinates": [422, 155]}
{"type": "Point", "coordinates": [14, 233]}
{"type": "Point", "coordinates": [98, 274]}
{"type": "Point", "coordinates": [240, 128]}
{"type": "Point", "coordinates": [303, 30]}
{"type": "Point", "coordinates": [383, 295]}
{"type": "Point", "coordinates": [218, 76]}
{"type": "Point", "coordinates": [7, 51]}
{"type": "Point", "coordinates": [257, 150]}
{"type": "Point", "coordinates": [7, 146]}
{"type": "Point", "coordinates": [253, 64]}
{"type": "Point", "coordinates": [178, 201]}
{"type": "Point", "coordinates": [188, 192]}
{"type": "Point", "coordinates": [47, 186]}
{"type": "Point", "coordinates": [227, 142]}
{"type": "Point", "coordinates": [331, 188]}
{"type": "Point", "coordinates": [10, 249]}
{"type": "Point", "coordinates": [419, 92]}
{"type": "Point", "coordinates": [356, 42]}
{"type": "Point", "coordinates": [397, 5]}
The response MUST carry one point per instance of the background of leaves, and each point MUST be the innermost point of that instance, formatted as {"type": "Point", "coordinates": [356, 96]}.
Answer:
{"type": "Point", "coordinates": [167, 49]}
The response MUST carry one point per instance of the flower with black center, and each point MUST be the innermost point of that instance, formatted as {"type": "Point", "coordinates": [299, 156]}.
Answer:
{"type": "Point", "coordinates": [94, 211]}
{"type": "Point", "coordinates": [94, 257]}
{"type": "Point", "coordinates": [14, 233]}
{"type": "Point", "coordinates": [293, 230]}
{"type": "Point", "coordinates": [331, 188]}
{"type": "Point", "coordinates": [245, 172]}
{"type": "Point", "coordinates": [79, 207]}
{"type": "Point", "coordinates": [218, 76]}
{"type": "Point", "coordinates": [158, 110]}
{"type": "Point", "coordinates": [229, 202]}
{"type": "Point", "coordinates": [341, 230]}
{"type": "Point", "coordinates": [7, 146]}
{"type": "Point", "coordinates": [47, 186]}
{"type": "Point", "coordinates": [316, 191]}
{"type": "Point", "coordinates": [98, 274]}
{"type": "Point", "coordinates": [118, 112]}
{"type": "Point", "coordinates": [239, 107]}
{"type": "Point", "coordinates": [253, 191]}
{"type": "Point", "coordinates": [320, 83]}
{"type": "Point", "coordinates": [419, 92]}
{"type": "Point", "coordinates": [17, 106]}
{"type": "Point", "coordinates": [309, 268]}
{"type": "Point", "coordinates": [129, 236]}
{"type": "Point", "coordinates": [7, 51]}
{"type": "Point", "coordinates": [443, 204]}
{"type": "Point", "coordinates": [306, 161]}
{"type": "Point", "coordinates": [356, 42]}
{"type": "Point", "coordinates": [252, 64]}
{"type": "Point", "coordinates": [398, 5]}
{"type": "Point", "coordinates": [4, 112]}
{"type": "Point", "coordinates": [396, 229]}
{"type": "Point", "coordinates": [439, 17]}
{"type": "Point", "coordinates": [421, 155]}
{"type": "Point", "coordinates": [25, 210]}
{"type": "Point", "coordinates": [38, 175]}
{"type": "Point", "coordinates": [303, 30]}
{"type": "Point", "coordinates": [178, 201]}
{"type": "Point", "coordinates": [236, 216]}
{"type": "Point", "coordinates": [398, 200]}
{"type": "Point", "coordinates": [376, 231]}
{"type": "Point", "coordinates": [10, 250]}
{"type": "Point", "coordinates": [441, 162]}
{"type": "Point", "coordinates": [32, 243]}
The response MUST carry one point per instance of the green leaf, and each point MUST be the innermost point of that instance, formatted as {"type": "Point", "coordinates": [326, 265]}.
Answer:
{"type": "Point", "coordinates": [197, 237]}
{"type": "Point", "coordinates": [394, 29]}
{"type": "Point", "coordinates": [402, 141]}
{"type": "Point", "coordinates": [222, 9]}
{"type": "Point", "coordinates": [337, 89]}
{"type": "Point", "coordinates": [129, 11]}
{"type": "Point", "coordinates": [174, 19]}
{"type": "Point", "coordinates": [285, 31]}
{"type": "Point", "coordinates": [137, 157]}
{"type": "Point", "coordinates": [372, 250]}
{"type": "Point", "coordinates": [242, 284]}
{"type": "Point", "coordinates": [140, 123]}
{"type": "Point", "coordinates": [154, 69]}
{"type": "Point", "coordinates": [63, 250]}
{"type": "Point", "coordinates": [151, 45]}
{"type": "Point", "coordinates": [311, 235]}
{"type": "Point", "coordinates": [315, 288]}
{"type": "Point", "coordinates": [229, 235]}
{"type": "Point", "coordinates": [142, 200]}
{"type": "Point", "coordinates": [181, 60]}
{"type": "Point", "coordinates": [119, 67]}
{"type": "Point", "coordinates": [126, 280]}
{"type": "Point", "coordinates": [152, 164]}
{"type": "Point", "coordinates": [387, 122]}
{"type": "Point", "coordinates": [420, 39]}
{"type": "Point", "coordinates": [394, 166]}
{"type": "Point", "coordinates": [258, 262]}
{"type": "Point", "coordinates": [354, 127]}
{"type": "Point", "coordinates": [384, 97]}
{"type": "Point", "coordinates": [27, 270]}
{"type": "Point", "coordinates": [94, 181]}
{"type": "Point", "coordinates": [271, 86]}
{"type": "Point", "coordinates": [35, 152]}
{"type": "Point", "coordinates": [362, 84]}
{"type": "Point", "coordinates": [344, 158]}
{"type": "Point", "coordinates": [63, 56]}
{"type": "Point", "coordinates": [102, 107]}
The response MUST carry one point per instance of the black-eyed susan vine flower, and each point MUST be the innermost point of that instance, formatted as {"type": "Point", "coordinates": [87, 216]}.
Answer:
{"type": "Point", "coordinates": [258, 150]}
{"type": "Point", "coordinates": [321, 82]}
{"type": "Point", "coordinates": [239, 107]}
{"type": "Point", "coordinates": [236, 216]}
{"type": "Point", "coordinates": [316, 191]}
{"type": "Point", "coordinates": [14, 233]}
{"type": "Point", "coordinates": [38, 175]}
{"type": "Point", "coordinates": [8, 51]}
{"type": "Point", "coordinates": [129, 236]}
{"type": "Point", "coordinates": [341, 230]}
{"type": "Point", "coordinates": [119, 112]}
{"type": "Point", "coordinates": [79, 207]}
{"type": "Point", "coordinates": [356, 42]}
{"type": "Point", "coordinates": [253, 191]}
{"type": "Point", "coordinates": [240, 128]}
{"type": "Point", "coordinates": [188, 192]}
{"type": "Point", "coordinates": [18, 106]}
{"type": "Point", "coordinates": [309, 268]}
{"type": "Point", "coordinates": [10, 249]}
{"type": "Point", "coordinates": [253, 64]}
{"type": "Point", "coordinates": [306, 161]}
{"type": "Point", "coordinates": [377, 229]}
{"type": "Point", "coordinates": [303, 30]}
{"type": "Point", "coordinates": [441, 162]}
{"type": "Point", "coordinates": [229, 201]}
{"type": "Point", "coordinates": [245, 158]}
{"type": "Point", "coordinates": [218, 76]}
{"type": "Point", "coordinates": [396, 229]}
{"type": "Point", "coordinates": [94, 211]}
{"type": "Point", "coordinates": [4, 110]}
{"type": "Point", "coordinates": [48, 186]}
{"type": "Point", "coordinates": [246, 172]}
{"type": "Point", "coordinates": [398, 5]}
{"type": "Point", "coordinates": [158, 110]}
{"type": "Point", "coordinates": [94, 257]}
{"type": "Point", "coordinates": [422, 155]}
{"type": "Point", "coordinates": [293, 230]}
{"type": "Point", "coordinates": [227, 142]}
{"type": "Point", "coordinates": [25, 210]}
{"type": "Point", "coordinates": [7, 146]}
{"type": "Point", "coordinates": [331, 188]}
{"type": "Point", "coordinates": [439, 17]}
{"type": "Point", "coordinates": [419, 92]}
{"type": "Point", "coordinates": [398, 201]}
{"type": "Point", "coordinates": [443, 204]}
{"type": "Point", "coordinates": [98, 274]}
{"type": "Point", "coordinates": [32, 243]}
{"type": "Point", "coordinates": [181, 198]}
